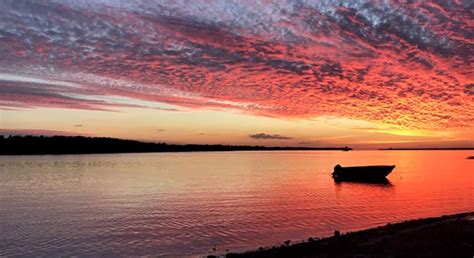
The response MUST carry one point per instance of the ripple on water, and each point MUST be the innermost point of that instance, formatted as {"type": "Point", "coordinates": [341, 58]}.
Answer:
{"type": "Point", "coordinates": [175, 204]}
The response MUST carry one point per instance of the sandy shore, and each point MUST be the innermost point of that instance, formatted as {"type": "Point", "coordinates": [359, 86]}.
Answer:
{"type": "Point", "coordinates": [446, 236]}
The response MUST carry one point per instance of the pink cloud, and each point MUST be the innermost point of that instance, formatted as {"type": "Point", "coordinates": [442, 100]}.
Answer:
{"type": "Point", "coordinates": [406, 64]}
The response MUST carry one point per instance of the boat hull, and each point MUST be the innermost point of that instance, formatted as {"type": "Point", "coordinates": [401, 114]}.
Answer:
{"type": "Point", "coordinates": [362, 173]}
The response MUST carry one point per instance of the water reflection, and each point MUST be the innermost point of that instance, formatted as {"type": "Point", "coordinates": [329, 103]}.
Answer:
{"type": "Point", "coordinates": [179, 204]}
{"type": "Point", "coordinates": [384, 182]}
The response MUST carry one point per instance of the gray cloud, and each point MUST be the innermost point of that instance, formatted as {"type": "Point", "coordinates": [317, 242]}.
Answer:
{"type": "Point", "coordinates": [308, 143]}
{"type": "Point", "coordinates": [269, 136]}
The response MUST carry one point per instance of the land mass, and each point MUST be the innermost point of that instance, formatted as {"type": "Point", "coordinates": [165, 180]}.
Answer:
{"type": "Point", "coordinates": [34, 145]}
{"type": "Point", "coordinates": [467, 148]}
{"type": "Point", "coordinates": [446, 236]}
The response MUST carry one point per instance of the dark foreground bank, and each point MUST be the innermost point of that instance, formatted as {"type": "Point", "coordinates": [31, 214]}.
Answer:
{"type": "Point", "coordinates": [33, 145]}
{"type": "Point", "coordinates": [446, 236]}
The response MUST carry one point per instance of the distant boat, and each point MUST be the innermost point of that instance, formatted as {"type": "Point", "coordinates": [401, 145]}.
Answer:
{"type": "Point", "coordinates": [361, 172]}
{"type": "Point", "coordinates": [346, 149]}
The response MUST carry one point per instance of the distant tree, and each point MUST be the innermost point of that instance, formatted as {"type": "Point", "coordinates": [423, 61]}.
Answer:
{"type": "Point", "coordinates": [29, 144]}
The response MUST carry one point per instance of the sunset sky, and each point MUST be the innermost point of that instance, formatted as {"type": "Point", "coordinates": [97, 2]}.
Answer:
{"type": "Point", "coordinates": [301, 73]}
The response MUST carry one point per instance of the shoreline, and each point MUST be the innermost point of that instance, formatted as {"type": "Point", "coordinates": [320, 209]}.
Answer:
{"type": "Point", "coordinates": [425, 149]}
{"type": "Point", "coordinates": [151, 152]}
{"type": "Point", "coordinates": [65, 145]}
{"type": "Point", "coordinates": [443, 236]}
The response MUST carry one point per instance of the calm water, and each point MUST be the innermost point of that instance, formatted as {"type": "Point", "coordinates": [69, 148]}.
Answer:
{"type": "Point", "coordinates": [188, 203]}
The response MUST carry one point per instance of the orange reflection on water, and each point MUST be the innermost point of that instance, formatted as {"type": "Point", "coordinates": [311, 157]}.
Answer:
{"type": "Point", "coordinates": [187, 203]}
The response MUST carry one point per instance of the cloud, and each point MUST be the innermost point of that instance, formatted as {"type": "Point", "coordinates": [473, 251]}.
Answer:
{"type": "Point", "coordinates": [308, 143]}
{"type": "Point", "coordinates": [469, 89]}
{"type": "Point", "coordinates": [27, 94]}
{"type": "Point", "coordinates": [269, 136]}
{"type": "Point", "coordinates": [406, 64]}
{"type": "Point", "coordinates": [168, 109]}
{"type": "Point", "coordinates": [39, 132]}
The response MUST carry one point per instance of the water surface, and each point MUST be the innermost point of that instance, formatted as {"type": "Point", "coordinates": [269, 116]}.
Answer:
{"type": "Point", "coordinates": [188, 203]}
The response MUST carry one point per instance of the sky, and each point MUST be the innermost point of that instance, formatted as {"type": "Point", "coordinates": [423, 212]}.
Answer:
{"type": "Point", "coordinates": [366, 74]}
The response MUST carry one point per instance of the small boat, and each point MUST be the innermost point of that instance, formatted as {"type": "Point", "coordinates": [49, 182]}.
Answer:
{"type": "Point", "coordinates": [361, 172]}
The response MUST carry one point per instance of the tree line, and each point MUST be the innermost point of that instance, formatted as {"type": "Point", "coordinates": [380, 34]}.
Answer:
{"type": "Point", "coordinates": [30, 145]}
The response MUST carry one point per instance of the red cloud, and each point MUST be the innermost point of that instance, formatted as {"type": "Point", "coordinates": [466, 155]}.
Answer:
{"type": "Point", "coordinates": [408, 64]}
